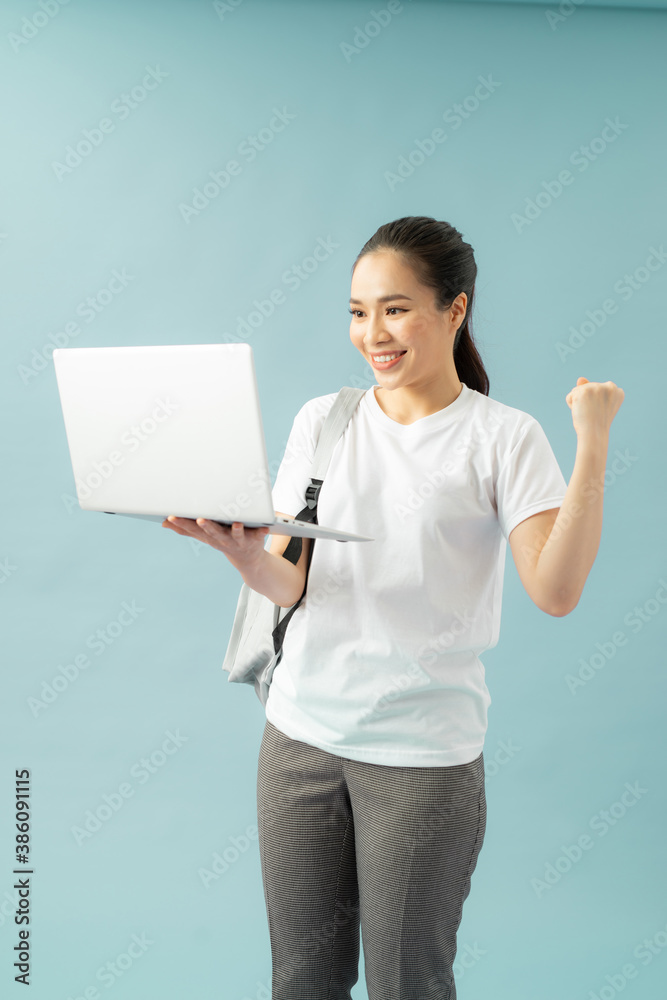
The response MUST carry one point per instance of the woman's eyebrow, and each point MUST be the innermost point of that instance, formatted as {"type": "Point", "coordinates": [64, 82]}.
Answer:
{"type": "Point", "coordinates": [385, 298]}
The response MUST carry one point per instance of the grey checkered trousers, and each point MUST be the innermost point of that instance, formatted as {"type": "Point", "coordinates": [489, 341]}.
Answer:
{"type": "Point", "coordinates": [347, 846]}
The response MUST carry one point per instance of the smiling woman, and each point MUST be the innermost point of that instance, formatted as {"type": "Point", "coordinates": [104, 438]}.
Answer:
{"type": "Point", "coordinates": [411, 315]}
{"type": "Point", "coordinates": [377, 711]}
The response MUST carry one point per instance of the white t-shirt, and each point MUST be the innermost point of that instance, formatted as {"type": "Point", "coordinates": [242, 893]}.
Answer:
{"type": "Point", "coordinates": [381, 660]}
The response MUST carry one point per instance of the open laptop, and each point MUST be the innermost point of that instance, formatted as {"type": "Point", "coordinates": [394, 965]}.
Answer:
{"type": "Point", "coordinates": [154, 431]}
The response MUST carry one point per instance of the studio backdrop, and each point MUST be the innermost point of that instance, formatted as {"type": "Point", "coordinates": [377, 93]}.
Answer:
{"type": "Point", "coordinates": [188, 172]}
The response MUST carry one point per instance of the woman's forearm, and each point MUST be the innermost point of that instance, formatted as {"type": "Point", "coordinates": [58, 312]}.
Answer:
{"type": "Point", "coordinates": [276, 578]}
{"type": "Point", "coordinates": [570, 550]}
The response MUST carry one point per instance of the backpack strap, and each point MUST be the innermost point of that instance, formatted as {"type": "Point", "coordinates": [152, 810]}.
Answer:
{"type": "Point", "coordinates": [335, 423]}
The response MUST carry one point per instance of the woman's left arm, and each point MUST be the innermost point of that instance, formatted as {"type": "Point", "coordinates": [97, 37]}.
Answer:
{"type": "Point", "coordinates": [563, 562]}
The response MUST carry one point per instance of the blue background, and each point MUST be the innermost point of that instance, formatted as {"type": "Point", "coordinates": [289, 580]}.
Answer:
{"type": "Point", "coordinates": [555, 758]}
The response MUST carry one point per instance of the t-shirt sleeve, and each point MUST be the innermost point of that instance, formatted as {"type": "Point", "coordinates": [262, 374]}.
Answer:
{"type": "Point", "coordinates": [529, 479]}
{"type": "Point", "coordinates": [293, 476]}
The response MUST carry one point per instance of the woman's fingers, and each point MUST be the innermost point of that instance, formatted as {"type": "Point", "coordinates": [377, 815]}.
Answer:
{"type": "Point", "coordinates": [211, 527]}
{"type": "Point", "coordinates": [174, 527]}
{"type": "Point", "coordinates": [242, 546]}
{"type": "Point", "coordinates": [213, 533]}
{"type": "Point", "coordinates": [187, 526]}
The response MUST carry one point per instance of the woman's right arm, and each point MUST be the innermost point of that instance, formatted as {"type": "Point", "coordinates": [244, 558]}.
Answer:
{"type": "Point", "coordinates": [263, 570]}
{"type": "Point", "coordinates": [277, 578]}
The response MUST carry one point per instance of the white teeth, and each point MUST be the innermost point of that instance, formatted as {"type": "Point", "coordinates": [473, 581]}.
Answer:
{"type": "Point", "coordinates": [389, 357]}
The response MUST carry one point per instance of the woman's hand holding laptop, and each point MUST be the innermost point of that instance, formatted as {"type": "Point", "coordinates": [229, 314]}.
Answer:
{"type": "Point", "coordinates": [263, 570]}
{"type": "Point", "coordinates": [242, 546]}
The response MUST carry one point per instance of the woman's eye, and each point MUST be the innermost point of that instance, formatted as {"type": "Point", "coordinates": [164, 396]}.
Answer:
{"type": "Point", "coordinates": [389, 308]}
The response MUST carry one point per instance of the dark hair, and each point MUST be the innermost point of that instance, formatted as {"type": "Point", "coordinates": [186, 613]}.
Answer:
{"type": "Point", "coordinates": [440, 260]}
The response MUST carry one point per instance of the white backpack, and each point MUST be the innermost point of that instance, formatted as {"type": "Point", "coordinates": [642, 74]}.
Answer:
{"type": "Point", "coordinates": [256, 641]}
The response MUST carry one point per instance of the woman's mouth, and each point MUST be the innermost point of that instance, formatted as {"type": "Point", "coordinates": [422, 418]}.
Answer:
{"type": "Point", "coordinates": [383, 365]}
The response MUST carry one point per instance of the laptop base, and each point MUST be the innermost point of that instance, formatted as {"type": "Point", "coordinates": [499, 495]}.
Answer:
{"type": "Point", "coordinates": [302, 529]}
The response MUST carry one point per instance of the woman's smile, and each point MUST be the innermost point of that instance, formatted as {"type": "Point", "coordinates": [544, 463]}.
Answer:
{"type": "Point", "coordinates": [384, 365]}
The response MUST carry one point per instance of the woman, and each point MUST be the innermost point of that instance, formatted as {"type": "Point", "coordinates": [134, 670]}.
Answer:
{"type": "Point", "coordinates": [370, 792]}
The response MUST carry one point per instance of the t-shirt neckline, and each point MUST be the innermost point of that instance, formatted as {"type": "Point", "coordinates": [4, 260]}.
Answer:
{"type": "Point", "coordinates": [436, 420]}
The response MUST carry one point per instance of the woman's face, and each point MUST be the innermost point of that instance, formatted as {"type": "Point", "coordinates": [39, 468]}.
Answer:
{"type": "Point", "coordinates": [409, 322]}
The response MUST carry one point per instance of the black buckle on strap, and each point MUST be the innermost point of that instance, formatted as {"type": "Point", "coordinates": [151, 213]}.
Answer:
{"type": "Point", "coordinates": [313, 492]}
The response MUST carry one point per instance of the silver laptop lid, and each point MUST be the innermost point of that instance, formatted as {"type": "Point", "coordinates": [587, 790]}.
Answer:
{"type": "Point", "coordinates": [173, 429]}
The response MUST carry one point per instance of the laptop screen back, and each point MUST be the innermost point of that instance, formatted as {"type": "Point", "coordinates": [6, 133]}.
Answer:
{"type": "Point", "coordinates": [166, 430]}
